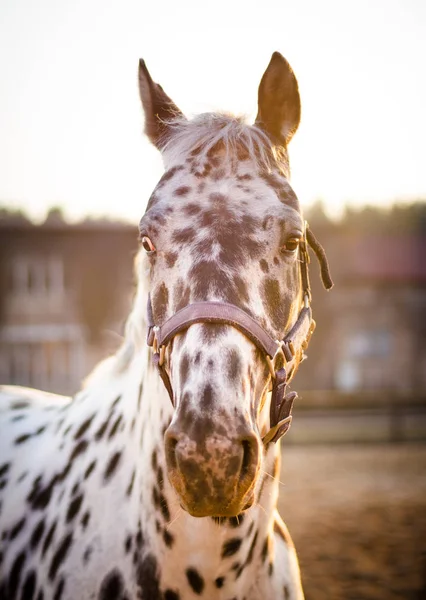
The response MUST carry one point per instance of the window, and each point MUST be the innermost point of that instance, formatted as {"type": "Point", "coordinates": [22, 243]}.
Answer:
{"type": "Point", "coordinates": [42, 276]}
{"type": "Point", "coordinates": [364, 344]}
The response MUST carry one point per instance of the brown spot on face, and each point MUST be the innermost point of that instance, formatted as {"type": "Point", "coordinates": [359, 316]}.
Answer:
{"type": "Point", "coordinates": [181, 295]}
{"type": "Point", "coordinates": [183, 190]}
{"type": "Point", "coordinates": [184, 369]}
{"type": "Point", "coordinates": [216, 149]}
{"type": "Point", "coordinates": [217, 198]}
{"type": "Point", "coordinates": [201, 171]}
{"type": "Point", "coordinates": [236, 236]}
{"type": "Point", "coordinates": [282, 189]}
{"type": "Point", "coordinates": [158, 218]}
{"type": "Point", "coordinates": [207, 397]}
{"type": "Point", "coordinates": [169, 174]}
{"type": "Point", "coordinates": [181, 236]}
{"type": "Point", "coordinates": [168, 540]}
{"type": "Point", "coordinates": [233, 365]}
{"type": "Point", "coordinates": [267, 223]}
{"type": "Point", "coordinates": [241, 286]}
{"type": "Point", "coordinates": [211, 333]}
{"type": "Point", "coordinates": [242, 153]}
{"type": "Point", "coordinates": [273, 303]}
{"type": "Point", "coordinates": [170, 258]}
{"type": "Point", "coordinates": [160, 302]}
{"type": "Point", "coordinates": [264, 265]}
{"type": "Point", "coordinates": [191, 209]}
{"type": "Point", "coordinates": [206, 275]}
{"type": "Point", "coordinates": [218, 174]}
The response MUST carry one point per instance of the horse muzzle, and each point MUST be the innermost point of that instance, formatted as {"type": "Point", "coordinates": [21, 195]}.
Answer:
{"type": "Point", "coordinates": [213, 473]}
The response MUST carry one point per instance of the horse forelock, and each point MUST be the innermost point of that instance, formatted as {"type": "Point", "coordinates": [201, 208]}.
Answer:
{"type": "Point", "coordinates": [225, 133]}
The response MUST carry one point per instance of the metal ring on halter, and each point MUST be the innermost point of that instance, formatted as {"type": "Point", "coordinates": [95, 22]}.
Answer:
{"type": "Point", "coordinates": [162, 352]}
{"type": "Point", "coordinates": [155, 330]}
{"type": "Point", "coordinates": [306, 300]}
{"type": "Point", "coordinates": [271, 361]}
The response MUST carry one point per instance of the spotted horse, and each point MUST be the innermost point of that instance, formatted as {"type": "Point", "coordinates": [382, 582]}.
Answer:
{"type": "Point", "coordinates": [158, 480]}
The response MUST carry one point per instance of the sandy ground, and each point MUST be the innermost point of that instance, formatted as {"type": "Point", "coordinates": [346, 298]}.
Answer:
{"type": "Point", "coordinates": [357, 515]}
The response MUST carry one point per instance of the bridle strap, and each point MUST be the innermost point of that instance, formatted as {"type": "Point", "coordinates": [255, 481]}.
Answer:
{"type": "Point", "coordinates": [217, 313]}
{"type": "Point", "coordinates": [290, 348]}
{"type": "Point", "coordinates": [227, 314]}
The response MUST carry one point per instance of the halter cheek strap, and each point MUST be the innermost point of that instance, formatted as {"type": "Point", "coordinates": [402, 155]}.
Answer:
{"type": "Point", "coordinates": [290, 349]}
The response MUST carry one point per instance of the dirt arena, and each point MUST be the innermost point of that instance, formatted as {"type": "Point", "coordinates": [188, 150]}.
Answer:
{"type": "Point", "coordinates": [357, 515]}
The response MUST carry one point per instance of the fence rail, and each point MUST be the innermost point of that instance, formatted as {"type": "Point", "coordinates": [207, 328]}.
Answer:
{"type": "Point", "coordinates": [332, 417]}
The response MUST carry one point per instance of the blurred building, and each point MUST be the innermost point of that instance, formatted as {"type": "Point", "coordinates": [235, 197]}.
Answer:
{"type": "Point", "coordinates": [371, 332]}
{"type": "Point", "coordinates": [65, 292]}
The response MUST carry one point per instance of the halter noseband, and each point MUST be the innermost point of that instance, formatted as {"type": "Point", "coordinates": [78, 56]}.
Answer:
{"type": "Point", "coordinates": [290, 349]}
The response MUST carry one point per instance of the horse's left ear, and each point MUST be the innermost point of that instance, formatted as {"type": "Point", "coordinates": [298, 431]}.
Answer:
{"type": "Point", "coordinates": [158, 107]}
{"type": "Point", "coordinates": [279, 100]}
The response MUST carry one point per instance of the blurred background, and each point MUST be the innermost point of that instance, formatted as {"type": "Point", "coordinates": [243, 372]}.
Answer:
{"type": "Point", "coordinates": [75, 176]}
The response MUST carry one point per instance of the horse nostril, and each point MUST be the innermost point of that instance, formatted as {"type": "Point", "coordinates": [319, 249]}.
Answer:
{"type": "Point", "coordinates": [171, 443]}
{"type": "Point", "coordinates": [248, 456]}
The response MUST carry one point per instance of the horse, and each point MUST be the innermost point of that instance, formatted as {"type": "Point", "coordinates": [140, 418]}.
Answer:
{"type": "Point", "coordinates": [159, 478]}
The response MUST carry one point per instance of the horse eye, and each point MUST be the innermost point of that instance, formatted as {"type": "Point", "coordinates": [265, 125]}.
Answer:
{"type": "Point", "coordinates": [147, 245]}
{"type": "Point", "coordinates": [291, 245]}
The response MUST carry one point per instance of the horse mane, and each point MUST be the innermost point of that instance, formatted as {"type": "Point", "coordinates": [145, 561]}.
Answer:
{"type": "Point", "coordinates": [208, 133]}
{"type": "Point", "coordinates": [135, 327]}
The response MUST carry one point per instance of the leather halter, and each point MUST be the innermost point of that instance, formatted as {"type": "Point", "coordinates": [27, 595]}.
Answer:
{"type": "Point", "coordinates": [290, 349]}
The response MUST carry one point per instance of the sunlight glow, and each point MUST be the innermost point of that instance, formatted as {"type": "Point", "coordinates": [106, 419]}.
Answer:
{"type": "Point", "coordinates": [71, 123]}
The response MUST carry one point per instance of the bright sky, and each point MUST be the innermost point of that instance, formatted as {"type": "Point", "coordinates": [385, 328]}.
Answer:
{"type": "Point", "coordinates": [71, 122]}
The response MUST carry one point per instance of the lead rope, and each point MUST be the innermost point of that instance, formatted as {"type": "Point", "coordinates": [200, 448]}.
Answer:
{"type": "Point", "coordinates": [322, 259]}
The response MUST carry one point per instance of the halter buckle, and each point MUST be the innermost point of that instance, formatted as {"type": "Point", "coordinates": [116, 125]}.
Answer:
{"type": "Point", "coordinates": [160, 350]}
{"type": "Point", "coordinates": [279, 352]}
{"type": "Point", "coordinates": [307, 299]}
{"type": "Point", "coordinates": [306, 341]}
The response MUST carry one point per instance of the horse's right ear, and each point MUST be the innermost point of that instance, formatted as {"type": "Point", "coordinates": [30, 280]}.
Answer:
{"type": "Point", "coordinates": [158, 107]}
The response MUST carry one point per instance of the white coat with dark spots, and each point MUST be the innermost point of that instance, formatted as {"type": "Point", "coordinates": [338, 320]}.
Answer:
{"type": "Point", "coordinates": [117, 493]}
